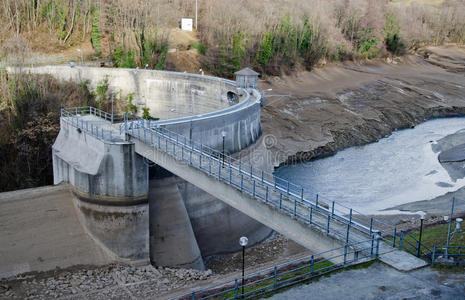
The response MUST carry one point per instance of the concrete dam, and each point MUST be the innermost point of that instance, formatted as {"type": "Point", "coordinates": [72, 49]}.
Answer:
{"type": "Point", "coordinates": [137, 210]}
{"type": "Point", "coordinates": [173, 190]}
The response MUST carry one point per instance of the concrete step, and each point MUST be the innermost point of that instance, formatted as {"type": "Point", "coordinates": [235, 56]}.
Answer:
{"type": "Point", "coordinates": [400, 260]}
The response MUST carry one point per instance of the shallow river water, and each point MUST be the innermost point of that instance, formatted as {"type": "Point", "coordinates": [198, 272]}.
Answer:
{"type": "Point", "coordinates": [399, 169]}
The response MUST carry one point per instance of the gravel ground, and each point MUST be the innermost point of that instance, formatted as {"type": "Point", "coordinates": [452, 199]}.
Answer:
{"type": "Point", "coordinates": [112, 281]}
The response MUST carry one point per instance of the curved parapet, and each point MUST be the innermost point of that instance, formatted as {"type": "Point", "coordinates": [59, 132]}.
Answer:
{"type": "Point", "coordinates": [167, 94]}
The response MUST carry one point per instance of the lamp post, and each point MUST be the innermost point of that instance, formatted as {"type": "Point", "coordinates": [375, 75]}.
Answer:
{"type": "Point", "coordinates": [421, 231]}
{"type": "Point", "coordinates": [223, 134]}
{"type": "Point", "coordinates": [243, 241]}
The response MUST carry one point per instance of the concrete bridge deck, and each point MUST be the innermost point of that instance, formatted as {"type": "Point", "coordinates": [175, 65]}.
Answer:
{"type": "Point", "coordinates": [263, 198]}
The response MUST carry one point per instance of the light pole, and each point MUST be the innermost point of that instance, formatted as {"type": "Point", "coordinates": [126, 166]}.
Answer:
{"type": "Point", "coordinates": [243, 241]}
{"type": "Point", "coordinates": [421, 231]}
{"type": "Point", "coordinates": [223, 134]}
{"type": "Point", "coordinates": [196, 9]}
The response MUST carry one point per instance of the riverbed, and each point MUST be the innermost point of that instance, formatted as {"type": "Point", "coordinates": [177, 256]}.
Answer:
{"type": "Point", "coordinates": [373, 178]}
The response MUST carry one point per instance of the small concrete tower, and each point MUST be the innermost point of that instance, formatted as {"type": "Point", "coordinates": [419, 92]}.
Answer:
{"type": "Point", "coordinates": [247, 78]}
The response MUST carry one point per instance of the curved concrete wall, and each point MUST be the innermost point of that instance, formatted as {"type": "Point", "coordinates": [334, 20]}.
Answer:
{"type": "Point", "coordinates": [110, 187]}
{"type": "Point", "coordinates": [167, 94]}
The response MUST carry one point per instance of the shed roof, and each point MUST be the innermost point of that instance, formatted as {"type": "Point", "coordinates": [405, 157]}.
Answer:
{"type": "Point", "coordinates": [247, 72]}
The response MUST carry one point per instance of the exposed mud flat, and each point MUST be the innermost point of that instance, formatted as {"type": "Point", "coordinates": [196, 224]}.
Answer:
{"type": "Point", "coordinates": [353, 104]}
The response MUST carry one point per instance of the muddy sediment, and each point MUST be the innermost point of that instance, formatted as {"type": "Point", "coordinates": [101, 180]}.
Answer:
{"type": "Point", "coordinates": [354, 104]}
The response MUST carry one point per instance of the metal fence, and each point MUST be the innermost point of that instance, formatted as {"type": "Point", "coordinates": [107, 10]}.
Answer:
{"type": "Point", "coordinates": [454, 255]}
{"type": "Point", "coordinates": [329, 216]}
{"type": "Point", "coordinates": [289, 273]}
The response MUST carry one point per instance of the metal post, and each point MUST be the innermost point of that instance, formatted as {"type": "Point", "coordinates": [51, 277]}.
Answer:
{"type": "Point", "coordinates": [263, 174]}
{"type": "Point", "coordinates": [371, 225]}
{"type": "Point", "coordinates": [378, 238]}
{"type": "Point", "coordinates": [288, 188]}
{"type": "Point", "coordinates": [243, 269]}
{"type": "Point", "coordinates": [394, 237]}
{"type": "Point", "coordinates": [311, 264]}
{"type": "Point", "coordinates": [311, 214]}
{"type": "Point", "coordinates": [280, 200]}
{"type": "Point", "coordinates": [253, 188]}
{"type": "Point", "coordinates": [251, 171]}
{"type": "Point", "coordinates": [332, 210]}
{"type": "Point", "coordinates": [448, 229]}
{"type": "Point", "coordinates": [350, 216]}
{"type": "Point", "coordinates": [223, 150]}
{"type": "Point", "coordinates": [316, 201]}
{"type": "Point", "coordinates": [266, 195]}
{"type": "Point", "coordinates": [235, 288]}
{"type": "Point", "coordinates": [242, 182]}
{"type": "Point", "coordinates": [209, 165]}
{"type": "Point", "coordinates": [419, 238]}
{"type": "Point", "coordinates": [327, 226]}
{"type": "Point", "coordinates": [345, 254]}
{"type": "Point", "coordinates": [275, 277]}
{"type": "Point", "coordinates": [230, 175]}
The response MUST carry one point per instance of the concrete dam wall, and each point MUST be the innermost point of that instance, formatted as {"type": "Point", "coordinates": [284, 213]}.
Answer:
{"type": "Point", "coordinates": [160, 217]}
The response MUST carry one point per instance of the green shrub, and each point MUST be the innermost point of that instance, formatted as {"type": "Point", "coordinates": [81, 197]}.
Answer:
{"type": "Point", "coordinates": [200, 47]}
{"type": "Point", "coordinates": [146, 115]}
{"type": "Point", "coordinates": [392, 35]}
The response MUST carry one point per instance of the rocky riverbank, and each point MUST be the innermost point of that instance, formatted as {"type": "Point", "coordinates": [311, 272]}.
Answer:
{"type": "Point", "coordinates": [357, 103]}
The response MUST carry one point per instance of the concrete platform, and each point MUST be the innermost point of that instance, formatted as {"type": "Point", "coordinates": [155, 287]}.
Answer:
{"type": "Point", "coordinates": [40, 231]}
{"type": "Point", "coordinates": [400, 260]}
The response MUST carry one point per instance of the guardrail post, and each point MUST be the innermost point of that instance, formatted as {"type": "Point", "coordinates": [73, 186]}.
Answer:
{"type": "Point", "coordinates": [263, 174]}
{"type": "Point", "coordinates": [371, 225]}
{"type": "Point", "coordinates": [280, 200]}
{"type": "Point", "coordinates": [345, 254]}
{"type": "Point", "coordinates": [275, 277]}
{"type": "Point", "coordinates": [219, 170]}
{"type": "Point", "coordinates": [235, 289]}
{"type": "Point", "coordinates": [302, 195]}
{"type": "Point", "coordinates": [394, 237]}
{"type": "Point", "coordinates": [159, 142]}
{"type": "Point", "coordinates": [266, 195]}
{"type": "Point", "coordinates": [288, 188]}
{"type": "Point", "coordinates": [190, 157]}
{"type": "Point", "coordinates": [316, 201]}
{"type": "Point", "coordinates": [372, 244]}
{"type": "Point", "coordinates": [209, 165]}
{"type": "Point", "coordinates": [251, 172]}
{"type": "Point", "coordinates": [350, 216]}
{"type": "Point", "coordinates": [417, 250]}
{"type": "Point", "coordinates": [332, 210]}
{"type": "Point", "coordinates": [327, 226]}
{"type": "Point", "coordinates": [311, 214]}
{"type": "Point", "coordinates": [378, 238]}
{"type": "Point", "coordinates": [242, 182]}
{"type": "Point", "coordinates": [312, 263]}
{"type": "Point", "coordinates": [200, 165]}
{"type": "Point", "coordinates": [240, 166]}
{"type": "Point", "coordinates": [253, 188]}
{"type": "Point", "coordinates": [230, 174]}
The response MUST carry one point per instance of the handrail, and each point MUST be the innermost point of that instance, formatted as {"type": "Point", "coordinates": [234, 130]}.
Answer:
{"type": "Point", "coordinates": [334, 211]}
{"type": "Point", "coordinates": [282, 275]}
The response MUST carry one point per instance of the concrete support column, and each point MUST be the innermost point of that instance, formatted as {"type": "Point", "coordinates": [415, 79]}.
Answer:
{"type": "Point", "coordinates": [172, 240]}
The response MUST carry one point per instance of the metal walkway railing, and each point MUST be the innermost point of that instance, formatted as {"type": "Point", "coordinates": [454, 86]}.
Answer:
{"type": "Point", "coordinates": [292, 272]}
{"type": "Point", "coordinates": [344, 223]}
